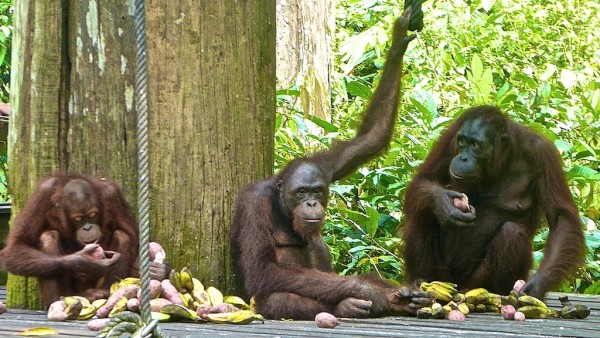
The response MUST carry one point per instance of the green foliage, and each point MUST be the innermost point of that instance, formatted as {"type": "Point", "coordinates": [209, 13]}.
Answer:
{"type": "Point", "coordinates": [6, 13]}
{"type": "Point", "coordinates": [537, 61]}
{"type": "Point", "coordinates": [6, 27]}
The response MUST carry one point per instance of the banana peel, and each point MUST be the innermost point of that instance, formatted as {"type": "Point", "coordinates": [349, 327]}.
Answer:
{"type": "Point", "coordinates": [239, 317]}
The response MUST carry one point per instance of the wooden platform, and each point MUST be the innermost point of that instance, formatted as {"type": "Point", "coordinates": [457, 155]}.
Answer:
{"type": "Point", "coordinates": [477, 325]}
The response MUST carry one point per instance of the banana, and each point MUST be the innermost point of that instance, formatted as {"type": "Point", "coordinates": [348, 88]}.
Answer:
{"type": "Point", "coordinates": [120, 306]}
{"type": "Point", "coordinates": [493, 299]}
{"type": "Point", "coordinates": [462, 307]}
{"type": "Point", "coordinates": [480, 308]}
{"type": "Point", "coordinates": [476, 300]}
{"type": "Point", "coordinates": [87, 313]}
{"type": "Point", "coordinates": [438, 292]}
{"type": "Point", "coordinates": [239, 317]}
{"type": "Point", "coordinates": [189, 300]}
{"type": "Point", "coordinates": [510, 300]}
{"type": "Point", "coordinates": [186, 279]}
{"type": "Point", "coordinates": [175, 310]}
{"type": "Point", "coordinates": [201, 296]}
{"type": "Point", "coordinates": [476, 292]}
{"type": "Point", "coordinates": [533, 311]}
{"type": "Point", "coordinates": [216, 297]}
{"type": "Point", "coordinates": [175, 279]}
{"type": "Point", "coordinates": [459, 297]}
{"type": "Point", "coordinates": [528, 300]}
{"type": "Point", "coordinates": [575, 311]}
{"type": "Point", "coordinates": [425, 313]}
{"type": "Point", "coordinates": [492, 308]}
{"type": "Point", "coordinates": [438, 311]}
{"type": "Point", "coordinates": [450, 287]}
{"type": "Point", "coordinates": [447, 308]}
{"type": "Point", "coordinates": [73, 308]}
{"type": "Point", "coordinates": [237, 301]}
{"type": "Point", "coordinates": [197, 284]}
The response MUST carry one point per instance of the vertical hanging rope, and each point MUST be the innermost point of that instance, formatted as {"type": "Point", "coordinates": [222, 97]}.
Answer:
{"type": "Point", "coordinates": [141, 84]}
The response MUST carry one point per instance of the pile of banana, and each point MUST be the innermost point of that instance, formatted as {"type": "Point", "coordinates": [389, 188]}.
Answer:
{"type": "Point", "coordinates": [446, 298]}
{"type": "Point", "coordinates": [180, 297]}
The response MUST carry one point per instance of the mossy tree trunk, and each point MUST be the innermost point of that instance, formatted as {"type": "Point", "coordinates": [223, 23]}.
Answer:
{"type": "Point", "coordinates": [212, 86]}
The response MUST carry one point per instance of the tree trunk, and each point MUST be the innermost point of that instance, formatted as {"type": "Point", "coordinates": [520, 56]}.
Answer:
{"type": "Point", "coordinates": [72, 101]}
{"type": "Point", "coordinates": [304, 52]}
{"type": "Point", "coordinates": [211, 99]}
{"type": "Point", "coordinates": [212, 86]}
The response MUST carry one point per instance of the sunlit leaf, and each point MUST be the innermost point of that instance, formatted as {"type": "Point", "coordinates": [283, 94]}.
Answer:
{"type": "Point", "coordinates": [568, 78]}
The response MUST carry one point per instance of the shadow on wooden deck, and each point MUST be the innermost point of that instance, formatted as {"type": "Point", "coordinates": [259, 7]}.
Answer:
{"type": "Point", "coordinates": [477, 325]}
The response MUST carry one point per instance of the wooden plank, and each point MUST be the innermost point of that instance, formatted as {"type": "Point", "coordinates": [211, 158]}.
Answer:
{"type": "Point", "coordinates": [476, 325]}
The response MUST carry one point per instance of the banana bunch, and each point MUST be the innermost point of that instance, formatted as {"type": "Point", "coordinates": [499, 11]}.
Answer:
{"type": "Point", "coordinates": [443, 291]}
{"type": "Point", "coordinates": [124, 282]}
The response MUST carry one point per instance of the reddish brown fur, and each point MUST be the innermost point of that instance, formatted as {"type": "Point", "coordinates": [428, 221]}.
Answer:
{"type": "Point", "coordinates": [288, 269]}
{"type": "Point", "coordinates": [41, 237]}
{"type": "Point", "coordinates": [496, 251]}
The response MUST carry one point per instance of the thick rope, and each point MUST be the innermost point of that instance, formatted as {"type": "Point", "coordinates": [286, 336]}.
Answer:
{"type": "Point", "coordinates": [141, 85]}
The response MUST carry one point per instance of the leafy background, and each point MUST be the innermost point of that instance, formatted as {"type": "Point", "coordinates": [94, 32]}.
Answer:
{"type": "Point", "coordinates": [537, 60]}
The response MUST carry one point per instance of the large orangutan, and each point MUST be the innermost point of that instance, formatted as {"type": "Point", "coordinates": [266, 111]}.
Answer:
{"type": "Point", "coordinates": [63, 223]}
{"type": "Point", "coordinates": [276, 239]}
{"type": "Point", "coordinates": [512, 178]}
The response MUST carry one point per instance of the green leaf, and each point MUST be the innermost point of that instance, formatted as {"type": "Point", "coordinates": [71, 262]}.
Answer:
{"type": "Point", "coordinates": [359, 89]}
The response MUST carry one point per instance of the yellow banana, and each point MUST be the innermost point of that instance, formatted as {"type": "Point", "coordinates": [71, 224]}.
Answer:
{"type": "Point", "coordinates": [189, 300]}
{"type": "Point", "coordinates": [476, 292]}
{"type": "Point", "coordinates": [438, 292]}
{"type": "Point", "coordinates": [533, 311]}
{"type": "Point", "coordinates": [216, 297]}
{"type": "Point", "coordinates": [120, 306]}
{"type": "Point", "coordinates": [237, 301]}
{"type": "Point", "coordinates": [528, 300]}
{"type": "Point", "coordinates": [98, 303]}
{"type": "Point", "coordinates": [462, 307]}
{"type": "Point", "coordinates": [450, 287]}
{"type": "Point", "coordinates": [87, 313]}
{"type": "Point", "coordinates": [186, 279]}
{"type": "Point", "coordinates": [73, 308]}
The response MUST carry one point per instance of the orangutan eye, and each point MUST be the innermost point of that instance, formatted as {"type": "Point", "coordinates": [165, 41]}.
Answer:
{"type": "Point", "coordinates": [77, 219]}
{"type": "Point", "coordinates": [92, 215]}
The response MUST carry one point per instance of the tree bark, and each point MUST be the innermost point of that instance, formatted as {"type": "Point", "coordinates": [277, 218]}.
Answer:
{"type": "Point", "coordinates": [304, 52]}
{"type": "Point", "coordinates": [72, 102]}
{"type": "Point", "coordinates": [212, 86]}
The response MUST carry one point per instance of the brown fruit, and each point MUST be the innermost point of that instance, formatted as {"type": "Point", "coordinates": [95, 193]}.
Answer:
{"type": "Point", "coordinates": [326, 320]}
{"type": "Point", "coordinates": [462, 203]}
